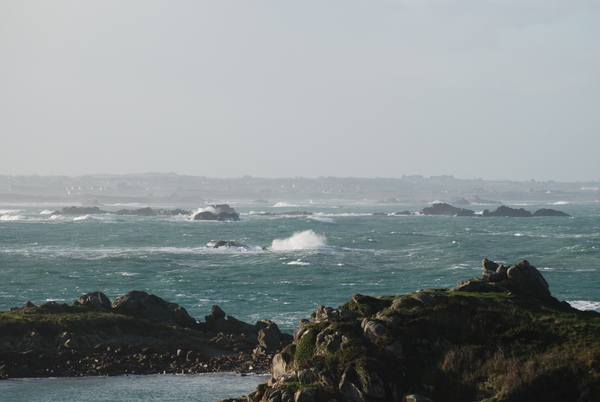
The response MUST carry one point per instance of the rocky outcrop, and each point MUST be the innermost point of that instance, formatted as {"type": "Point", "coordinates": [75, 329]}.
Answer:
{"type": "Point", "coordinates": [153, 308]}
{"type": "Point", "coordinates": [549, 212]}
{"type": "Point", "coordinates": [522, 277]}
{"type": "Point", "coordinates": [505, 211]}
{"type": "Point", "coordinates": [472, 342]}
{"type": "Point", "coordinates": [221, 212]}
{"type": "Point", "coordinates": [137, 333]}
{"type": "Point", "coordinates": [223, 243]}
{"type": "Point", "coordinates": [446, 209]}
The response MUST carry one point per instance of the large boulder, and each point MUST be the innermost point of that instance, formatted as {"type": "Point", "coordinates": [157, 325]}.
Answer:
{"type": "Point", "coordinates": [153, 308]}
{"type": "Point", "coordinates": [522, 276]}
{"type": "Point", "coordinates": [220, 212]}
{"type": "Point", "coordinates": [94, 299]}
{"type": "Point", "coordinates": [527, 279]}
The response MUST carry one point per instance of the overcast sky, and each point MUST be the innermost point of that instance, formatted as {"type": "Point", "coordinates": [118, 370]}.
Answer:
{"type": "Point", "coordinates": [492, 89]}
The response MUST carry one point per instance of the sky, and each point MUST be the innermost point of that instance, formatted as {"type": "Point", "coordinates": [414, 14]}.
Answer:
{"type": "Point", "coordinates": [491, 89]}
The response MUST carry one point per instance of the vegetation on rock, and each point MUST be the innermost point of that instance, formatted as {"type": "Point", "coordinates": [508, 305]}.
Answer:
{"type": "Point", "coordinates": [496, 343]}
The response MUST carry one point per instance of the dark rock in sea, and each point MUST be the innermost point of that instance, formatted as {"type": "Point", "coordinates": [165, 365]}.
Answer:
{"type": "Point", "coordinates": [223, 243]}
{"type": "Point", "coordinates": [153, 308]}
{"type": "Point", "coordinates": [505, 211]}
{"type": "Point", "coordinates": [403, 213]}
{"type": "Point", "coordinates": [221, 212]}
{"type": "Point", "coordinates": [549, 212]}
{"type": "Point", "coordinates": [446, 209]}
{"type": "Point", "coordinates": [80, 211]}
{"type": "Point", "coordinates": [380, 214]}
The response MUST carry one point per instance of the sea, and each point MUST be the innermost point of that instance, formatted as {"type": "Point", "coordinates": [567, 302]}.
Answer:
{"type": "Point", "coordinates": [289, 265]}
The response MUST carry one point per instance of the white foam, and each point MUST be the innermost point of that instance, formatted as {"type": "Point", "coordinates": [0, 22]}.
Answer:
{"type": "Point", "coordinates": [46, 212]}
{"type": "Point", "coordinates": [300, 241]}
{"type": "Point", "coordinates": [284, 205]}
{"type": "Point", "coordinates": [299, 262]}
{"type": "Point", "coordinates": [321, 219]}
{"type": "Point", "coordinates": [559, 203]}
{"type": "Point", "coordinates": [585, 305]}
{"type": "Point", "coordinates": [12, 217]}
{"type": "Point", "coordinates": [10, 211]}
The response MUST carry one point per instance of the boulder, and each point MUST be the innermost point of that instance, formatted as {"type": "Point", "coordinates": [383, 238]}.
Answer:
{"type": "Point", "coordinates": [94, 299]}
{"type": "Point", "coordinates": [153, 308]}
{"type": "Point", "coordinates": [527, 279]}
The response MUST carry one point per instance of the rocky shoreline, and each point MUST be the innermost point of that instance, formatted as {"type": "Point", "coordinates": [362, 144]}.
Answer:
{"type": "Point", "coordinates": [501, 337]}
{"type": "Point", "coordinates": [138, 333]}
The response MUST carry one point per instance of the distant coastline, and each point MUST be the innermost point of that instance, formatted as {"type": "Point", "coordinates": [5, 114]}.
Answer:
{"type": "Point", "coordinates": [173, 189]}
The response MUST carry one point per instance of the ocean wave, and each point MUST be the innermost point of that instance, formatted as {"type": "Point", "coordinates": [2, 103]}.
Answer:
{"type": "Point", "coordinates": [46, 212]}
{"type": "Point", "coordinates": [304, 240]}
{"type": "Point", "coordinates": [10, 211]}
{"type": "Point", "coordinates": [285, 205]}
{"type": "Point", "coordinates": [585, 305]}
{"type": "Point", "coordinates": [8, 217]}
{"type": "Point", "coordinates": [322, 219]}
{"type": "Point", "coordinates": [299, 262]}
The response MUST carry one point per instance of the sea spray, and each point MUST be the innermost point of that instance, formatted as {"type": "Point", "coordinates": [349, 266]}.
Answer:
{"type": "Point", "coordinates": [306, 239]}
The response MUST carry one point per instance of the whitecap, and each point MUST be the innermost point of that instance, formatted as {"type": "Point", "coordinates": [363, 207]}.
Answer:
{"type": "Point", "coordinates": [300, 241]}
{"type": "Point", "coordinates": [299, 262]}
{"type": "Point", "coordinates": [585, 305]}
{"type": "Point", "coordinates": [46, 212]}
{"type": "Point", "coordinates": [284, 205]}
{"type": "Point", "coordinates": [10, 211]}
{"type": "Point", "coordinates": [559, 203]}
{"type": "Point", "coordinates": [321, 219]}
{"type": "Point", "coordinates": [12, 217]}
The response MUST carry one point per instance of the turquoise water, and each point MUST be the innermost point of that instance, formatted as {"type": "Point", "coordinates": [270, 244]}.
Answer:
{"type": "Point", "coordinates": [321, 259]}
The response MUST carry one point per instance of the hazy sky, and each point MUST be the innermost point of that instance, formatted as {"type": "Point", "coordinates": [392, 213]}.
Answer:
{"type": "Point", "coordinates": [493, 89]}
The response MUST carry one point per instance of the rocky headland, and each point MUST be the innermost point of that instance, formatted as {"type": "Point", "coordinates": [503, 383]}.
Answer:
{"type": "Point", "coordinates": [502, 337]}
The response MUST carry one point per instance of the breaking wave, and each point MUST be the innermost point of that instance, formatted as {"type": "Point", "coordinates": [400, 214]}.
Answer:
{"type": "Point", "coordinates": [299, 241]}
